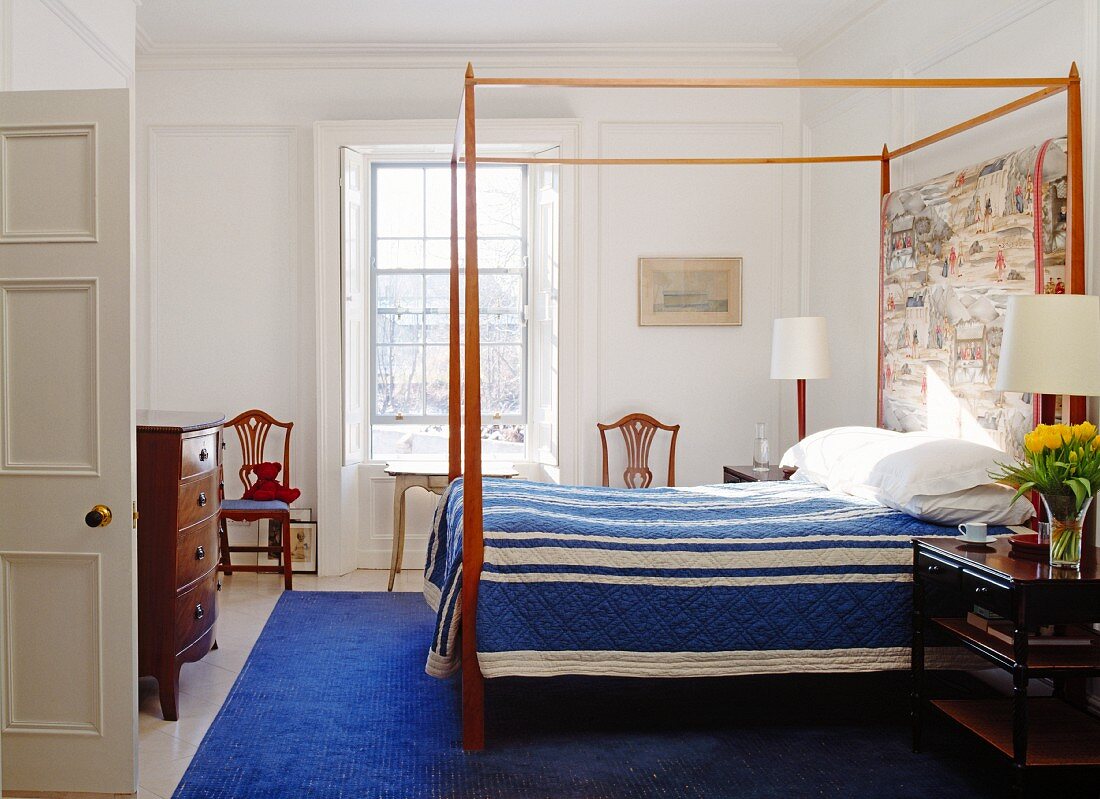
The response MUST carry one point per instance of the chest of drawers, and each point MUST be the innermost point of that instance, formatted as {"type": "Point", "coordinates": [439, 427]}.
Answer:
{"type": "Point", "coordinates": [178, 475]}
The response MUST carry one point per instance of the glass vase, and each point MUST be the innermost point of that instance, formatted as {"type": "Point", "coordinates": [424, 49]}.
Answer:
{"type": "Point", "coordinates": [761, 457]}
{"type": "Point", "coordinates": [1066, 524]}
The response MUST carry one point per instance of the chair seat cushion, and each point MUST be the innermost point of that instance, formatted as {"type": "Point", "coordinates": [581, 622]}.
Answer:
{"type": "Point", "coordinates": [253, 505]}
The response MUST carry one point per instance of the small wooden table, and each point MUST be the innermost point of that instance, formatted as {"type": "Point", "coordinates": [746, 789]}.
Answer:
{"type": "Point", "coordinates": [1029, 594]}
{"type": "Point", "coordinates": [431, 476]}
{"type": "Point", "coordinates": [746, 474]}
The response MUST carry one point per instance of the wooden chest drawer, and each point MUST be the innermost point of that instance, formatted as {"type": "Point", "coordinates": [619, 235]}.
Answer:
{"type": "Point", "coordinates": [198, 499]}
{"type": "Point", "coordinates": [196, 611]}
{"type": "Point", "coordinates": [935, 570]}
{"type": "Point", "coordinates": [196, 551]}
{"type": "Point", "coordinates": [990, 595]}
{"type": "Point", "coordinates": [198, 454]}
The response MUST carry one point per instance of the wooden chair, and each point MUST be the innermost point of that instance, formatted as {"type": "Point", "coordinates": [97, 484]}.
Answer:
{"type": "Point", "coordinates": [638, 431]}
{"type": "Point", "coordinates": [252, 428]}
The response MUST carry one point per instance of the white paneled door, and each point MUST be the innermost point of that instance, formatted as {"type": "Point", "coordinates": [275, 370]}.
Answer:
{"type": "Point", "coordinates": [67, 545]}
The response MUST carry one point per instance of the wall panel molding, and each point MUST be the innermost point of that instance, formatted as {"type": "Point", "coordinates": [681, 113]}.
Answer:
{"type": "Point", "coordinates": [84, 229]}
{"type": "Point", "coordinates": [20, 716]}
{"type": "Point", "coordinates": [84, 463]}
{"type": "Point", "coordinates": [156, 136]}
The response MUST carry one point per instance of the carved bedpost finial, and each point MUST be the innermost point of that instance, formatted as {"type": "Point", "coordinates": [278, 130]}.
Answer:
{"type": "Point", "coordinates": [1073, 73]}
{"type": "Point", "coordinates": [469, 70]}
{"type": "Point", "coordinates": [885, 153]}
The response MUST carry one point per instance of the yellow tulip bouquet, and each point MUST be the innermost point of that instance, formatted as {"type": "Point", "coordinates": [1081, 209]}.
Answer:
{"type": "Point", "coordinates": [1062, 463]}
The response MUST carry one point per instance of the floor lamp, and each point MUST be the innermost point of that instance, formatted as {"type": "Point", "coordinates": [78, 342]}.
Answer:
{"type": "Point", "coordinates": [800, 352]}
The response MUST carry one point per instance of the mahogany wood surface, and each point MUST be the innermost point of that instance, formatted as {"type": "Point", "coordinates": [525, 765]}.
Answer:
{"type": "Point", "coordinates": [169, 573]}
{"type": "Point", "coordinates": [996, 559]}
{"type": "Point", "coordinates": [639, 431]}
{"type": "Point", "coordinates": [774, 83]}
{"type": "Point", "coordinates": [473, 551]}
{"type": "Point", "coordinates": [1060, 735]}
{"type": "Point", "coordinates": [1043, 660]}
{"type": "Point", "coordinates": [252, 428]}
{"type": "Point", "coordinates": [454, 364]}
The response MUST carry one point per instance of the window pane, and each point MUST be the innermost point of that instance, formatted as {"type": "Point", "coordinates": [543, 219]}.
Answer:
{"type": "Point", "coordinates": [399, 254]}
{"type": "Point", "coordinates": [439, 202]}
{"type": "Point", "coordinates": [399, 328]}
{"type": "Point", "coordinates": [437, 361]}
{"type": "Point", "coordinates": [399, 386]}
{"type": "Point", "coordinates": [501, 379]}
{"type": "Point", "coordinates": [403, 293]}
{"type": "Point", "coordinates": [499, 254]}
{"type": "Point", "coordinates": [499, 442]}
{"type": "Point", "coordinates": [399, 201]}
{"type": "Point", "coordinates": [438, 253]}
{"type": "Point", "coordinates": [500, 292]}
{"type": "Point", "coordinates": [500, 201]}
{"type": "Point", "coordinates": [501, 329]}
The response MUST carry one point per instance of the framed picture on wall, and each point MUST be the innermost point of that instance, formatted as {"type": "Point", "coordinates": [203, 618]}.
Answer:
{"type": "Point", "coordinates": [689, 291]}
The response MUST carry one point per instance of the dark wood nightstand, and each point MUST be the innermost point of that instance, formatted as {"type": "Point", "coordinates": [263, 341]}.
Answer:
{"type": "Point", "coordinates": [1028, 594]}
{"type": "Point", "coordinates": [745, 474]}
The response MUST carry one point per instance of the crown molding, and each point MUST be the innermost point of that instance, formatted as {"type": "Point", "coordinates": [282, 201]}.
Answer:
{"type": "Point", "coordinates": [77, 25]}
{"type": "Point", "coordinates": [153, 56]}
{"type": "Point", "coordinates": [819, 31]}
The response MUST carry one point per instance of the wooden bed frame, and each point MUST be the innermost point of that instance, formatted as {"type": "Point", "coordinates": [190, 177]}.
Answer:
{"type": "Point", "coordinates": [465, 152]}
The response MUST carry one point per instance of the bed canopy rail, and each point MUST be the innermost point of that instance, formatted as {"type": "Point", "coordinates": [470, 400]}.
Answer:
{"type": "Point", "coordinates": [464, 380]}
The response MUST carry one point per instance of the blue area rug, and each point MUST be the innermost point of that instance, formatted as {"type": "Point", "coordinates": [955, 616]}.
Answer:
{"type": "Point", "coordinates": [334, 702]}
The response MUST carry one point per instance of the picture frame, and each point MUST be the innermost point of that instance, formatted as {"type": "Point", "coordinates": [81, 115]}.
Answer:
{"type": "Point", "coordinates": [303, 543]}
{"type": "Point", "coordinates": [689, 291]}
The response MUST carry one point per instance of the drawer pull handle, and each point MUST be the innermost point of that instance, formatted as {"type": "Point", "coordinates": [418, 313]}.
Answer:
{"type": "Point", "coordinates": [933, 569]}
{"type": "Point", "coordinates": [981, 589]}
{"type": "Point", "coordinates": [202, 499]}
{"type": "Point", "coordinates": [199, 612]}
{"type": "Point", "coordinates": [200, 553]}
{"type": "Point", "coordinates": [204, 454]}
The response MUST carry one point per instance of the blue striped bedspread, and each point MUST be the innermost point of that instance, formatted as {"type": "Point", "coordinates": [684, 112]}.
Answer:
{"type": "Point", "coordinates": [743, 578]}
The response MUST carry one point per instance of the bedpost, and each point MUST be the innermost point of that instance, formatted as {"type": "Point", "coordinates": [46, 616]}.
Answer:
{"type": "Point", "coordinates": [473, 687]}
{"type": "Point", "coordinates": [884, 189]}
{"type": "Point", "coordinates": [1075, 209]}
{"type": "Point", "coordinates": [454, 376]}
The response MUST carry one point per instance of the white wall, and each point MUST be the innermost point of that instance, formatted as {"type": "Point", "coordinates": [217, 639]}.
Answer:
{"type": "Point", "coordinates": [66, 44]}
{"type": "Point", "coordinates": [226, 264]}
{"type": "Point", "coordinates": [840, 260]}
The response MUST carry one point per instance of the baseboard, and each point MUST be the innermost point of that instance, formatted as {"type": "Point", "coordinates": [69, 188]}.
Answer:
{"type": "Point", "coordinates": [65, 795]}
{"type": "Point", "coordinates": [380, 559]}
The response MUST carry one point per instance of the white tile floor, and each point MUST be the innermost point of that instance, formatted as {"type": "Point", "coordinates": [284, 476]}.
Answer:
{"type": "Point", "coordinates": [246, 600]}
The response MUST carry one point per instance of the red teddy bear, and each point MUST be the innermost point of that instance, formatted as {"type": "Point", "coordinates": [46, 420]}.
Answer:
{"type": "Point", "coordinates": [267, 487]}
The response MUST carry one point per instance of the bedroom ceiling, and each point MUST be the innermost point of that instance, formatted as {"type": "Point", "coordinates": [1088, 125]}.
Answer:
{"type": "Point", "coordinates": [224, 23]}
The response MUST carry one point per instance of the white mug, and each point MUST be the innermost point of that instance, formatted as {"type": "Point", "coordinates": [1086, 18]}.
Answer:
{"type": "Point", "coordinates": [974, 531]}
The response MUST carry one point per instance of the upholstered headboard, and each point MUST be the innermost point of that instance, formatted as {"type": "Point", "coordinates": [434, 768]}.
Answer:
{"type": "Point", "coordinates": [953, 250]}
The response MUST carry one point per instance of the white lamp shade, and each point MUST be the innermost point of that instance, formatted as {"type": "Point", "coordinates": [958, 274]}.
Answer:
{"type": "Point", "coordinates": [800, 348]}
{"type": "Point", "coordinates": [1051, 345]}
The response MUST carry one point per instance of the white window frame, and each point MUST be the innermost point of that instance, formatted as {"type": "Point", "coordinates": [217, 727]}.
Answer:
{"type": "Point", "coordinates": [488, 418]}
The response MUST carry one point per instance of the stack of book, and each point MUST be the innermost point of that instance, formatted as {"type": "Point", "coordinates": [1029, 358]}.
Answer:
{"type": "Point", "coordinates": [1000, 628]}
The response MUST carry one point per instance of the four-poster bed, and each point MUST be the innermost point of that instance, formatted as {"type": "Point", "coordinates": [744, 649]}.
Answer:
{"type": "Point", "coordinates": [464, 383]}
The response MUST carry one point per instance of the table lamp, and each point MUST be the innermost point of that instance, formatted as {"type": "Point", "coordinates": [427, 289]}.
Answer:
{"type": "Point", "coordinates": [1051, 345]}
{"type": "Point", "coordinates": [800, 352]}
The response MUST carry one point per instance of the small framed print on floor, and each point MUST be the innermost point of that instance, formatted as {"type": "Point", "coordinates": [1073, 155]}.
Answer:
{"type": "Point", "coordinates": [303, 547]}
{"type": "Point", "coordinates": [303, 542]}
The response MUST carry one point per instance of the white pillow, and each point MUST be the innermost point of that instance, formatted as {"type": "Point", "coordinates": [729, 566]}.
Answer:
{"type": "Point", "coordinates": [914, 464]}
{"type": "Point", "coordinates": [989, 503]}
{"type": "Point", "coordinates": [818, 454]}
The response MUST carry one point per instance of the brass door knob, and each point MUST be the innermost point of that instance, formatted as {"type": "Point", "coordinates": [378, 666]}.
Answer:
{"type": "Point", "coordinates": [99, 516]}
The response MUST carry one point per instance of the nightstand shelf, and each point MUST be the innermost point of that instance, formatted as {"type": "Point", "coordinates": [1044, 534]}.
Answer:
{"type": "Point", "coordinates": [1058, 734]}
{"type": "Point", "coordinates": [1028, 595]}
{"type": "Point", "coordinates": [1044, 660]}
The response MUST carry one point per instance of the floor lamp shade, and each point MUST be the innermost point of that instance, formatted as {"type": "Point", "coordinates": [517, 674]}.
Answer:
{"type": "Point", "coordinates": [1051, 345]}
{"type": "Point", "coordinates": [800, 348]}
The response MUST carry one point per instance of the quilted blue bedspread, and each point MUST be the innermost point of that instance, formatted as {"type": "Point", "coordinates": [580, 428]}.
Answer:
{"type": "Point", "coordinates": [675, 582]}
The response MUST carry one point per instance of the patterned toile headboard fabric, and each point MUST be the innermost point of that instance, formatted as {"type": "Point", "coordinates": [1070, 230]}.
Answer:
{"type": "Point", "coordinates": [953, 250]}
